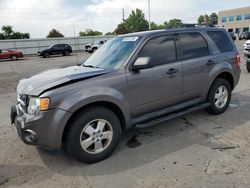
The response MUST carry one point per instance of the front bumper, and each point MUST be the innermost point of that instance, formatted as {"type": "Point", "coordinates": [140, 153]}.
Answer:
{"type": "Point", "coordinates": [44, 129]}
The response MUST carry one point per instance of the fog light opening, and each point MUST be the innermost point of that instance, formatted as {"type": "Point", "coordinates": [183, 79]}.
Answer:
{"type": "Point", "coordinates": [29, 136]}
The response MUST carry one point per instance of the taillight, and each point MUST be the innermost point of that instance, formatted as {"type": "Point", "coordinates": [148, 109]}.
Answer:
{"type": "Point", "coordinates": [238, 61]}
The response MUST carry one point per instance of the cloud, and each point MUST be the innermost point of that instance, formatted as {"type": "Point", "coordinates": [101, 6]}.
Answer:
{"type": "Point", "coordinates": [38, 17]}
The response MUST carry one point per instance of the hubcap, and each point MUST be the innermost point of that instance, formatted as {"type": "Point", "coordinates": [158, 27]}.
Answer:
{"type": "Point", "coordinates": [221, 97]}
{"type": "Point", "coordinates": [96, 136]}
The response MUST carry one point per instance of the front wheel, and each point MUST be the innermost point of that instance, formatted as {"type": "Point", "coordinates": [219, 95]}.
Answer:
{"type": "Point", "coordinates": [248, 66]}
{"type": "Point", "coordinates": [14, 58]}
{"type": "Point", "coordinates": [219, 96]}
{"type": "Point", "coordinates": [93, 135]}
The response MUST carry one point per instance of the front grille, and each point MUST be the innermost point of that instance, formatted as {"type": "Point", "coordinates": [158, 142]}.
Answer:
{"type": "Point", "coordinates": [22, 101]}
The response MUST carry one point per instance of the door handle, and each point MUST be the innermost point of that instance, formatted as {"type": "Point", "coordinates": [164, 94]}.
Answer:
{"type": "Point", "coordinates": [210, 62]}
{"type": "Point", "coordinates": [172, 71]}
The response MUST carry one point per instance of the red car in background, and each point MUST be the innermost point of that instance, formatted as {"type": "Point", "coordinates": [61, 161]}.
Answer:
{"type": "Point", "coordinates": [9, 54]}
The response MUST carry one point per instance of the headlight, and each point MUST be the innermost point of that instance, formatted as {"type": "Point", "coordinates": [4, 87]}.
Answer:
{"type": "Point", "coordinates": [38, 104]}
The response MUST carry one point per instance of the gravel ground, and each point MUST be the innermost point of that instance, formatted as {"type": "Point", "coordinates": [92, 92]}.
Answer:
{"type": "Point", "coordinates": [198, 150]}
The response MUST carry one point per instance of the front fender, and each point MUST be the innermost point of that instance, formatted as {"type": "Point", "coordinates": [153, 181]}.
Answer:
{"type": "Point", "coordinates": [82, 98]}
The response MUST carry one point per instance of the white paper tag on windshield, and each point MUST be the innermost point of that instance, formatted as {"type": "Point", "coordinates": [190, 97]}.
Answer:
{"type": "Point", "coordinates": [130, 39]}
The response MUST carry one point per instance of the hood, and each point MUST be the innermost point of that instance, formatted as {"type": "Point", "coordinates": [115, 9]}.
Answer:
{"type": "Point", "coordinates": [47, 80]}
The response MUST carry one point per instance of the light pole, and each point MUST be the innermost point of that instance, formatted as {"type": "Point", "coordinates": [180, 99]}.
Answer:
{"type": "Point", "coordinates": [149, 16]}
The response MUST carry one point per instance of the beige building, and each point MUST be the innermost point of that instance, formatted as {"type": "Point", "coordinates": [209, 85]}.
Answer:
{"type": "Point", "coordinates": [235, 20]}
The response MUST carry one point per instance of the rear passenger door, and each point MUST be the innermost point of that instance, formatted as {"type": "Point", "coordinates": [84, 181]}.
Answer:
{"type": "Point", "coordinates": [197, 63]}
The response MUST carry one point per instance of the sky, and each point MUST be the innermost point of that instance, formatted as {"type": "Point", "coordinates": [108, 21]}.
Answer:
{"type": "Point", "coordinates": [39, 17]}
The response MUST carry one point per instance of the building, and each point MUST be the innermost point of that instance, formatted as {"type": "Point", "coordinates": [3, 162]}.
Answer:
{"type": "Point", "coordinates": [235, 20]}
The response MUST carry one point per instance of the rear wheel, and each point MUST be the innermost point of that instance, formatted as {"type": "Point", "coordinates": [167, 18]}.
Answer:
{"type": "Point", "coordinates": [248, 66]}
{"type": "Point", "coordinates": [219, 96]}
{"type": "Point", "coordinates": [93, 135]}
{"type": "Point", "coordinates": [14, 58]}
{"type": "Point", "coordinates": [66, 53]}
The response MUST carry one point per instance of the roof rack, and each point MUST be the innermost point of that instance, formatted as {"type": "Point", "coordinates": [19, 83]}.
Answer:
{"type": "Point", "coordinates": [198, 25]}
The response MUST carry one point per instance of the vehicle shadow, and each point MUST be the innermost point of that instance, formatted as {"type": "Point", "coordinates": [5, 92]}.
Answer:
{"type": "Point", "coordinates": [140, 146]}
{"type": "Point", "coordinates": [9, 60]}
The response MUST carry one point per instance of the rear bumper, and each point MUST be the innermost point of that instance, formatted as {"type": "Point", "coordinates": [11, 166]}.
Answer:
{"type": "Point", "coordinates": [44, 129]}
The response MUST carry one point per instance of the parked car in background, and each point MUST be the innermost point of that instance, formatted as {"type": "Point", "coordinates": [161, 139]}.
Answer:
{"type": "Point", "coordinates": [87, 47]}
{"type": "Point", "coordinates": [232, 35]}
{"type": "Point", "coordinates": [10, 54]}
{"type": "Point", "coordinates": [134, 80]}
{"type": "Point", "coordinates": [57, 49]}
{"type": "Point", "coordinates": [92, 48]}
{"type": "Point", "coordinates": [244, 35]}
{"type": "Point", "coordinates": [247, 54]}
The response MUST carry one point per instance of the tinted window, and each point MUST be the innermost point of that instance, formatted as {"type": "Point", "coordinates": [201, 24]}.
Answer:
{"type": "Point", "coordinates": [247, 16]}
{"type": "Point", "coordinates": [55, 46]}
{"type": "Point", "coordinates": [161, 50]}
{"type": "Point", "coordinates": [231, 18]}
{"type": "Point", "coordinates": [221, 40]}
{"type": "Point", "coordinates": [193, 45]}
{"type": "Point", "coordinates": [224, 19]}
{"type": "Point", "coordinates": [239, 17]}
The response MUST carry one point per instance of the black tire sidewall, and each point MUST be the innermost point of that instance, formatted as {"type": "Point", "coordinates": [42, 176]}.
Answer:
{"type": "Point", "coordinates": [77, 125]}
{"type": "Point", "coordinates": [217, 83]}
{"type": "Point", "coordinates": [248, 66]}
{"type": "Point", "coordinates": [13, 58]}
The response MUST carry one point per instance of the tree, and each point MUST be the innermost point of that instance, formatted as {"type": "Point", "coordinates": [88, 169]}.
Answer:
{"type": "Point", "coordinates": [206, 19]}
{"type": "Point", "coordinates": [54, 34]}
{"type": "Point", "coordinates": [90, 32]}
{"type": "Point", "coordinates": [109, 33]}
{"type": "Point", "coordinates": [136, 21]}
{"type": "Point", "coordinates": [174, 23]}
{"type": "Point", "coordinates": [9, 33]}
{"type": "Point", "coordinates": [121, 29]}
{"type": "Point", "coordinates": [201, 19]}
{"type": "Point", "coordinates": [213, 18]}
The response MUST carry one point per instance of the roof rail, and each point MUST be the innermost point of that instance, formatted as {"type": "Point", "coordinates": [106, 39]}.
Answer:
{"type": "Point", "coordinates": [198, 25]}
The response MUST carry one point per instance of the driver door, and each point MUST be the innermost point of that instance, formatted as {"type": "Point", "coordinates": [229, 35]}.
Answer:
{"type": "Point", "coordinates": [160, 86]}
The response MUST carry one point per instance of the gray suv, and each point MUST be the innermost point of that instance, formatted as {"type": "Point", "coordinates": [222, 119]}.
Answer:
{"type": "Point", "coordinates": [135, 80]}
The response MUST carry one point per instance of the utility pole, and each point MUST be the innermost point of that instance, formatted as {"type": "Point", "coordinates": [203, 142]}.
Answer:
{"type": "Point", "coordinates": [149, 16]}
{"type": "Point", "coordinates": [123, 15]}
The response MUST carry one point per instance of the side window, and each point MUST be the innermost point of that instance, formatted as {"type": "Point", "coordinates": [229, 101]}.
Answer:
{"type": "Point", "coordinates": [161, 50]}
{"type": "Point", "coordinates": [221, 40]}
{"type": "Point", "coordinates": [193, 45]}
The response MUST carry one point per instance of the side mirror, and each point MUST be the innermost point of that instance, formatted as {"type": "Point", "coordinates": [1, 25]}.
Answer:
{"type": "Point", "coordinates": [142, 63]}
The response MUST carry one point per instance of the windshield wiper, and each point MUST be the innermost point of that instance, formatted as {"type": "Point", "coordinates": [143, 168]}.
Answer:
{"type": "Point", "coordinates": [90, 66]}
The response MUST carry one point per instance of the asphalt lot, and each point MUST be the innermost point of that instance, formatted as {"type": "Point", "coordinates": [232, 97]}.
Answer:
{"type": "Point", "coordinates": [198, 150]}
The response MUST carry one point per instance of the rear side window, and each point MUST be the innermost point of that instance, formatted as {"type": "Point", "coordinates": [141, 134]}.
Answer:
{"type": "Point", "coordinates": [193, 45]}
{"type": "Point", "coordinates": [221, 40]}
{"type": "Point", "coordinates": [161, 50]}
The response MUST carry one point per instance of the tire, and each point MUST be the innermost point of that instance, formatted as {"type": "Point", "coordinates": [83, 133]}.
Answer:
{"type": "Point", "coordinates": [223, 90]}
{"type": "Point", "coordinates": [14, 58]}
{"type": "Point", "coordinates": [94, 50]}
{"type": "Point", "coordinates": [46, 55]}
{"type": "Point", "coordinates": [248, 66]}
{"type": "Point", "coordinates": [66, 53]}
{"type": "Point", "coordinates": [83, 128]}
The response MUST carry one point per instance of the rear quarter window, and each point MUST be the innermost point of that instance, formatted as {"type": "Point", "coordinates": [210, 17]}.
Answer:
{"type": "Point", "coordinates": [221, 40]}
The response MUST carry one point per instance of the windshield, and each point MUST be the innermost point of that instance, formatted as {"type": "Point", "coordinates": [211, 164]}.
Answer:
{"type": "Point", "coordinates": [113, 53]}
